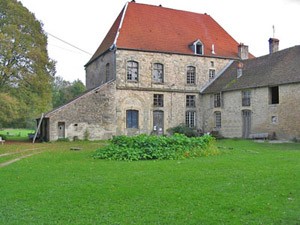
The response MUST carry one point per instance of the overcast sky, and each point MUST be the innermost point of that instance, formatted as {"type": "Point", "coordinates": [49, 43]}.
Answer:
{"type": "Point", "coordinates": [84, 24]}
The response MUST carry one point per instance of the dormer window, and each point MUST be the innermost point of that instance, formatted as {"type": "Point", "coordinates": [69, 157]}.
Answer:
{"type": "Point", "coordinates": [197, 47]}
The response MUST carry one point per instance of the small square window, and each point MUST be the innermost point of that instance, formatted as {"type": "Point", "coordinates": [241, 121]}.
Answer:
{"type": "Point", "coordinates": [158, 100]}
{"type": "Point", "coordinates": [212, 74]}
{"type": "Point", "coordinates": [190, 101]}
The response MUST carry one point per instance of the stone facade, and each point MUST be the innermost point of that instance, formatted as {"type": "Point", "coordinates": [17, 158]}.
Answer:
{"type": "Point", "coordinates": [280, 120]}
{"type": "Point", "coordinates": [101, 70]}
{"type": "Point", "coordinates": [91, 116]}
{"type": "Point", "coordinates": [139, 95]}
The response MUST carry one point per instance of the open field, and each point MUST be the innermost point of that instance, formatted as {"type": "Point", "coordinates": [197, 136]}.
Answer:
{"type": "Point", "coordinates": [249, 183]}
{"type": "Point", "coordinates": [16, 134]}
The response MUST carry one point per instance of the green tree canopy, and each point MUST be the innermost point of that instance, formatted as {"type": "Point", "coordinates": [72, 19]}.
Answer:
{"type": "Point", "coordinates": [64, 91]}
{"type": "Point", "coordinates": [26, 70]}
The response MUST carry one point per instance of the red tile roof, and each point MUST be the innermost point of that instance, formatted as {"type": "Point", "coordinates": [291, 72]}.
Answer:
{"type": "Point", "coordinates": [155, 28]}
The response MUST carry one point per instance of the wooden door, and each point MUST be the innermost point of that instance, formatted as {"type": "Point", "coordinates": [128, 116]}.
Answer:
{"type": "Point", "coordinates": [158, 122]}
{"type": "Point", "coordinates": [246, 114]}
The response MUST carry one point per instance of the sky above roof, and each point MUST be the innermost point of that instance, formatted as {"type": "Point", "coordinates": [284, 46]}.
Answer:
{"type": "Point", "coordinates": [84, 25]}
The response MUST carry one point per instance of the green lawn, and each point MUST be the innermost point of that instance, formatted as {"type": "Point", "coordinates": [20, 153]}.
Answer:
{"type": "Point", "coordinates": [16, 134]}
{"type": "Point", "coordinates": [249, 183]}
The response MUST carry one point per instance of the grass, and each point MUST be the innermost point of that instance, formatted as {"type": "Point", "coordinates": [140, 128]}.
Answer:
{"type": "Point", "coordinates": [250, 183]}
{"type": "Point", "coordinates": [16, 134]}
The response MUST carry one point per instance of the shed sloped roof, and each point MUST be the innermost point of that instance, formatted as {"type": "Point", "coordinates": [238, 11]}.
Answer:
{"type": "Point", "coordinates": [282, 67]}
{"type": "Point", "coordinates": [154, 28]}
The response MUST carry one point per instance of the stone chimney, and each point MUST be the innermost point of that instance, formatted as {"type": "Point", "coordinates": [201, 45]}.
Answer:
{"type": "Point", "coordinates": [243, 51]}
{"type": "Point", "coordinates": [273, 45]}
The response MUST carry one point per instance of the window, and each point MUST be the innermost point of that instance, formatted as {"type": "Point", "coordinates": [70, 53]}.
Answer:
{"type": "Point", "coordinates": [199, 48]}
{"type": "Point", "coordinates": [158, 73]}
{"type": "Point", "coordinates": [246, 98]}
{"type": "Point", "coordinates": [218, 120]}
{"type": "Point", "coordinates": [132, 119]}
{"type": "Point", "coordinates": [212, 64]}
{"type": "Point", "coordinates": [190, 119]}
{"type": "Point", "coordinates": [217, 100]}
{"type": "Point", "coordinates": [191, 75]}
{"type": "Point", "coordinates": [132, 71]}
{"type": "Point", "coordinates": [107, 72]}
{"type": "Point", "coordinates": [212, 73]}
{"type": "Point", "coordinates": [158, 100]}
{"type": "Point", "coordinates": [190, 101]}
{"type": "Point", "coordinates": [274, 95]}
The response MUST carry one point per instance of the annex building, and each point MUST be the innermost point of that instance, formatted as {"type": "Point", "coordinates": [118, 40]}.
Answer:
{"type": "Point", "coordinates": [158, 67]}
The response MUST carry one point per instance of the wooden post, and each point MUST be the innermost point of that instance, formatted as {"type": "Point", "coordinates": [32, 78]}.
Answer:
{"type": "Point", "coordinates": [38, 128]}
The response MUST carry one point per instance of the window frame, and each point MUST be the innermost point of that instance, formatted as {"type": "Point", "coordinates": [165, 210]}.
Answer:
{"type": "Point", "coordinates": [158, 73]}
{"type": "Point", "coordinates": [131, 69]}
{"type": "Point", "coordinates": [191, 75]}
{"type": "Point", "coordinates": [132, 119]}
{"type": "Point", "coordinates": [217, 100]}
{"type": "Point", "coordinates": [107, 71]}
{"type": "Point", "coordinates": [246, 98]}
{"type": "Point", "coordinates": [190, 119]}
{"type": "Point", "coordinates": [211, 74]}
{"type": "Point", "coordinates": [218, 119]}
{"type": "Point", "coordinates": [274, 95]}
{"type": "Point", "coordinates": [190, 101]}
{"type": "Point", "coordinates": [158, 100]}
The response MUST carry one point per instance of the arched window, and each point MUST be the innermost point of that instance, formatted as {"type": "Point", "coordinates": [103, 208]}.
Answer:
{"type": "Point", "coordinates": [107, 72]}
{"type": "Point", "coordinates": [191, 75]}
{"type": "Point", "coordinates": [158, 73]}
{"type": "Point", "coordinates": [132, 71]}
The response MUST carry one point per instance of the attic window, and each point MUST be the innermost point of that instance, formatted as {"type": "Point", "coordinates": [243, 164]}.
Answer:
{"type": "Point", "coordinates": [199, 48]}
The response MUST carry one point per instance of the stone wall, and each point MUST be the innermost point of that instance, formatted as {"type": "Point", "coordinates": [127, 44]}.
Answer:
{"type": "Point", "coordinates": [91, 116]}
{"type": "Point", "coordinates": [139, 95]}
{"type": "Point", "coordinates": [96, 71]}
{"type": "Point", "coordinates": [281, 119]}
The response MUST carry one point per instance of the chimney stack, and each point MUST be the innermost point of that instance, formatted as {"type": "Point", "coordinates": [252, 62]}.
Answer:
{"type": "Point", "coordinates": [273, 45]}
{"type": "Point", "coordinates": [243, 51]}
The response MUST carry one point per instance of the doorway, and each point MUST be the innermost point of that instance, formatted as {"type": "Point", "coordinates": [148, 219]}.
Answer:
{"type": "Point", "coordinates": [158, 122]}
{"type": "Point", "coordinates": [246, 114]}
{"type": "Point", "coordinates": [61, 130]}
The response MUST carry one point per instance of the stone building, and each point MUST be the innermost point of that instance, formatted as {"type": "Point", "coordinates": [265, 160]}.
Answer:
{"type": "Point", "coordinates": [158, 68]}
{"type": "Point", "coordinates": [254, 96]}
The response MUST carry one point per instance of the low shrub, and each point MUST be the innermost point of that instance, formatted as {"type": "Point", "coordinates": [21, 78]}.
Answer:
{"type": "Point", "coordinates": [183, 129]}
{"type": "Point", "coordinates": [145, 147]}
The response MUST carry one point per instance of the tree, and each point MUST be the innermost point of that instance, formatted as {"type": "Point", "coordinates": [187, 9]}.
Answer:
{"type": "Point", "coordinates": [64, 91]}
{"type": "Point", "coordinates": [26, 70]}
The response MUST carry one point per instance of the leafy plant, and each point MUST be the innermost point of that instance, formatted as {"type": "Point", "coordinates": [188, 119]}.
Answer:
{"type": "Point", "coordinates": [145, 147]}
{"type": "Point", "coordinates": [183, 129]}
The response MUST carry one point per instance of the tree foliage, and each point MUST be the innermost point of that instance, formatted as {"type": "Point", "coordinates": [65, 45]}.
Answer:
{"type": "Point", "coordinates": [64, 91]}
{"type": "Point", "coordinates": [25, 68]}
